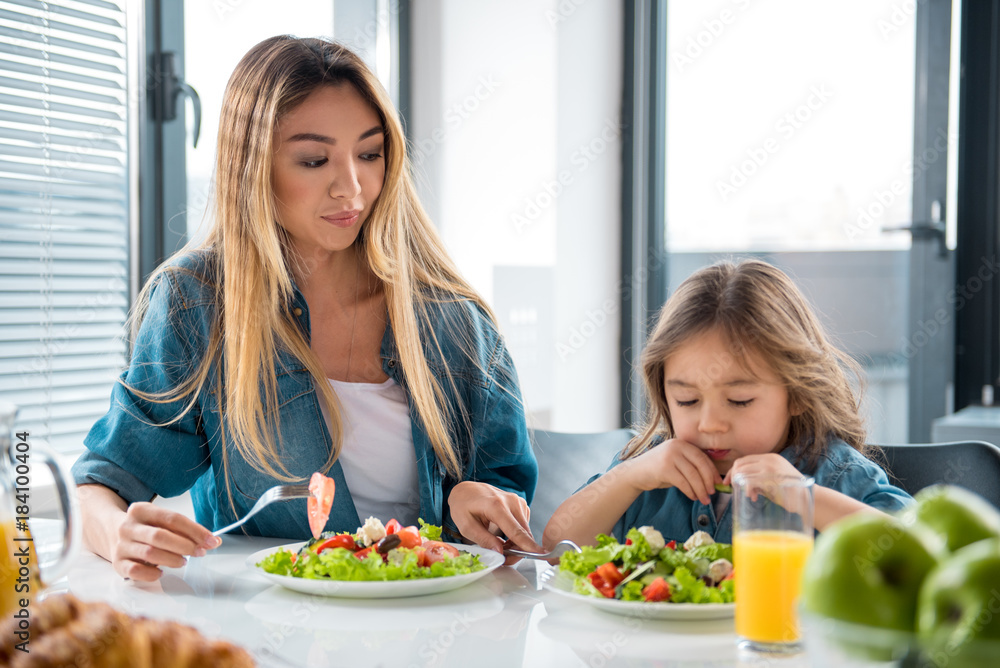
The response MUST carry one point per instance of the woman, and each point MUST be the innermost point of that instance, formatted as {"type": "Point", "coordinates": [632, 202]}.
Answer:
{"type": "Point", "coordinates": [320, 327]}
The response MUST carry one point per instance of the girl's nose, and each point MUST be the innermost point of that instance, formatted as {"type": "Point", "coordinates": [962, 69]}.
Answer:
{"type": "Point", "coordinates": [711, 420]}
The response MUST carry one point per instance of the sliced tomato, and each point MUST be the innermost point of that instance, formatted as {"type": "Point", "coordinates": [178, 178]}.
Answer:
{"type": "Point", "coordinates": [321, 491]}
{"type": "Point", "coordinates": [436, 550]}
{"type": "Point", "coordinates": [345, 541]}
{"type": "Point", "coordinates": [392, 526]}
{"type": "Point", "coordinates": [423, 559]}
{"type": "Point", "coordinates": [657, 590]}
{"type": "Point", "coordinates": [672, 545]}
{"type": "Point", "coordinates": [361, 554]}
{"type": "Point", "coordinates": [409, 537]}
{"type": "Point", "coordinates": [610, 573]}
{"type": "Point", "coordinates": [607, 590]}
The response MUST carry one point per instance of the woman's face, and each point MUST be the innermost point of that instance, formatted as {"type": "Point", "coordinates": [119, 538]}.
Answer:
{"type": "Point", "coordinates": [328, 169]}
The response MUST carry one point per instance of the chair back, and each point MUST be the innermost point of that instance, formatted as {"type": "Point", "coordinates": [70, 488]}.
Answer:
{"type": "Point", "coordinates": [974, 465]}
{"type": "Point", "coordinates": [565, 462]}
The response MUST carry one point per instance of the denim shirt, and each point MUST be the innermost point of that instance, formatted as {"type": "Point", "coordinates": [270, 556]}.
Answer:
{"type": "Point", "coordinates": [139, 450]}
{"type": "Point", "coordinates": [841, 468]}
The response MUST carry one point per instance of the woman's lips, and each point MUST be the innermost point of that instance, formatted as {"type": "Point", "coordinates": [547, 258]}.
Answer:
{"type": "Point", "coordinates": [345, 219]}
{"type": "Point", "coordinates": [717, 454]}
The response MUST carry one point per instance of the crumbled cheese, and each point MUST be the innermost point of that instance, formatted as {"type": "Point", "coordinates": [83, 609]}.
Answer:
{"type": "Point", "coordinates": [697, 539]}
{"type": "Point", "coordinates": [372, 532]}
{"type": "Point", "coordinates": [719, 569]}
{"type": "Point", "coordinates": [653, 537]}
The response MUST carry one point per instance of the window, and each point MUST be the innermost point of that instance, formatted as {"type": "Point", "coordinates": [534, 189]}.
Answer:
{"type": "Point", "coordinates": [65, 197]}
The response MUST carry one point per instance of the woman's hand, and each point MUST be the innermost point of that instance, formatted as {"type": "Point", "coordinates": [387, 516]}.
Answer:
{"type": "Point", "coordinates": [139, 539]}
{"type": "Point", "coordinates": [675, 463]}
{"type": "Point", "coordinates": [151, 537]}
{"type": "Point", "coordinates": [480, 511]}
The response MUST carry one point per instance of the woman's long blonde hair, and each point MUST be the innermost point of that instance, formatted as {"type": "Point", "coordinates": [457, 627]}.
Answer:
{"type": "Point", "coordinates": [254, 286]}
{"type": "Point", "coordinates": [758, 310]}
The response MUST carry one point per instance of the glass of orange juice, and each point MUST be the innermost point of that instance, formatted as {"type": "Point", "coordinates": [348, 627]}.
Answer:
{"type": "Point", "coordinates": [772, 538]}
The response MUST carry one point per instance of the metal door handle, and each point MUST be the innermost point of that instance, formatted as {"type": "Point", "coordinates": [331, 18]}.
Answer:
{"type": "Point", "coordinates": [172, 87]}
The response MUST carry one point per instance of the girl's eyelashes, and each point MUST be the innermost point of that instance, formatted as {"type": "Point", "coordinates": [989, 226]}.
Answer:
{"type": "Point", "coordinates": [312, 164]}
{"type": "Point", "coordinates": [372, 156]}
{"type": "Point", "coordinates": [691, 402]}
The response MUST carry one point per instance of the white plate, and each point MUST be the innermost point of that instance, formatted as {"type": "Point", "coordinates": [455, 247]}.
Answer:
{"type": "Point", "coordinates": [562, 583]}
{"type": "Point", "coordinates": [392, 589]}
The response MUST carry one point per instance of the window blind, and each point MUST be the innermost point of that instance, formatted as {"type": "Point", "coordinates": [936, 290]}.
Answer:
{"type": "Point", "coordinates": [64, 212]}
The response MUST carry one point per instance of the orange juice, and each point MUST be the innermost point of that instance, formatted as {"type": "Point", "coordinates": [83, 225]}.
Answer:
{"type": "Point", "coordinates": [18, 569]}
{"type": "Point", "coordinates": [768, 574]}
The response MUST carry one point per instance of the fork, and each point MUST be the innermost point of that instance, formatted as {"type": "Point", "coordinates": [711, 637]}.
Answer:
{"type": "Point", "coordinates": [559, 549]}
{"type": "Point", "coordinates": [276, 493]}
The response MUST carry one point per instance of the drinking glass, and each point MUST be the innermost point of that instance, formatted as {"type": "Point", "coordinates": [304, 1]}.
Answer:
{"type": "Point", "coordinates": [772, 538]}
{"type": "Point", "coordinates": [20, 580]}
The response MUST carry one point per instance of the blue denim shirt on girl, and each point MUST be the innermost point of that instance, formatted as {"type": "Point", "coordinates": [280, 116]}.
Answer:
{"type": "Point", "coordinates": [841, 468]}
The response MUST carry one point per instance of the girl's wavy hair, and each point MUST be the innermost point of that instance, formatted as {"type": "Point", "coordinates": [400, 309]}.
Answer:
{"type": "Point", "coordinates": [759, 311]}
{"type": "Point", "coordinates": [254, 260]}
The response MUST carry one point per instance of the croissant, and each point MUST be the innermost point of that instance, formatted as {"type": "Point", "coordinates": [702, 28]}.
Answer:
{"type": "Point", "coordinates": [66, 632]}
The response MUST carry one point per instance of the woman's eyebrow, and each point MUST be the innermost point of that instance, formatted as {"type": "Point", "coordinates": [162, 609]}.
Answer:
{"type": "Point", "coordinates": [323, 139]}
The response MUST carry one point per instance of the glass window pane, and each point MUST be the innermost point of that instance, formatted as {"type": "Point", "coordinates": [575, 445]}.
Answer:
{"type": "Point", "coordinates": [790, 134]}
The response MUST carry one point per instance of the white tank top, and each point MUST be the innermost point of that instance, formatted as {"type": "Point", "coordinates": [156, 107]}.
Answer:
{"type": "Point", "coordinates": [377, 457]}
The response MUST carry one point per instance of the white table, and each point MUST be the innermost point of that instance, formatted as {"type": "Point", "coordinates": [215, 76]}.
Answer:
{"type": "Point", "coordinates": [504, 619]}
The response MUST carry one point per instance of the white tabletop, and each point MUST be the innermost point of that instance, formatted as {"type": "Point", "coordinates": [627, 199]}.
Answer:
{"type": "Point", "coordinates": [504, 619]}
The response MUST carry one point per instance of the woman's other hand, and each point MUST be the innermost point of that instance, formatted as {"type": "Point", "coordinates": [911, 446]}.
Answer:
{"type": "Point", "coordinates": [139, 539]}
{"type": "Point", "coordinates": [151, 537]}
{"type": "Point", "coordinates": [480, 511]}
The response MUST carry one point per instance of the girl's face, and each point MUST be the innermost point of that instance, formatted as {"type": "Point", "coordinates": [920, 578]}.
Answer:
{"type": "Point", "coordinates": [328, 169]}
{"type": "Point", "coordinates": [721, 407]}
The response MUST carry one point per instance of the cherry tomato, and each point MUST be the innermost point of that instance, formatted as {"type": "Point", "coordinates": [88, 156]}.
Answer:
{"type": "Point", "coordinates": [409, 537]}
{"type": "Point", "coordinates": [610, 573]}
{"type": "Point", "coordinates": [361, 554]}
{"type": "Point", "coordinates": [657, 590]}
{"type": "Point", "coordinates": [345, 541]}
{"type": "Point", "coordinates": [607, 590]}
{"type": "Point", "coordinates": [392, 526]}
{"type": "Point", "coordinates": [436, 551]}
{"type": "Point", "coordinates": [672, 545]}
{"type": "Point", "coordinates": [321, 490]}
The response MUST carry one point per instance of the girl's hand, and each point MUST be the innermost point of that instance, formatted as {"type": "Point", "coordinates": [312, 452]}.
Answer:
{"type": "Point", "coordinates": [770, 463]}
{"type": "Point", "coordinates": [480, 511]}
{"type": "Point", "coordinates": [675, 463]}
{"type": "Point", "coordinates": [150, 537]}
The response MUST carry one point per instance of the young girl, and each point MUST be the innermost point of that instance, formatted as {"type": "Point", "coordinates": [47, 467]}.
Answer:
{"type": "Point", "coordinates": [320, 327]}
{"type": "Point", "coordinates": [740, 378]}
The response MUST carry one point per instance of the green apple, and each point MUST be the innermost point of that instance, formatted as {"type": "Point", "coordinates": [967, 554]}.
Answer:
{"type": "Point", "coordinates": [959, 607]}
{"type": "Point", "coordinates": [867, 569]}
{"type": "Point", "coordinates": [958, 516]}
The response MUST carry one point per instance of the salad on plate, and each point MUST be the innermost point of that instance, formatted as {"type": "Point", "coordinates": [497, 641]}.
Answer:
{"type": "Point", "coordinates": [375, 552]}
{"type": "Point", "coordinates": [699, 571]}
